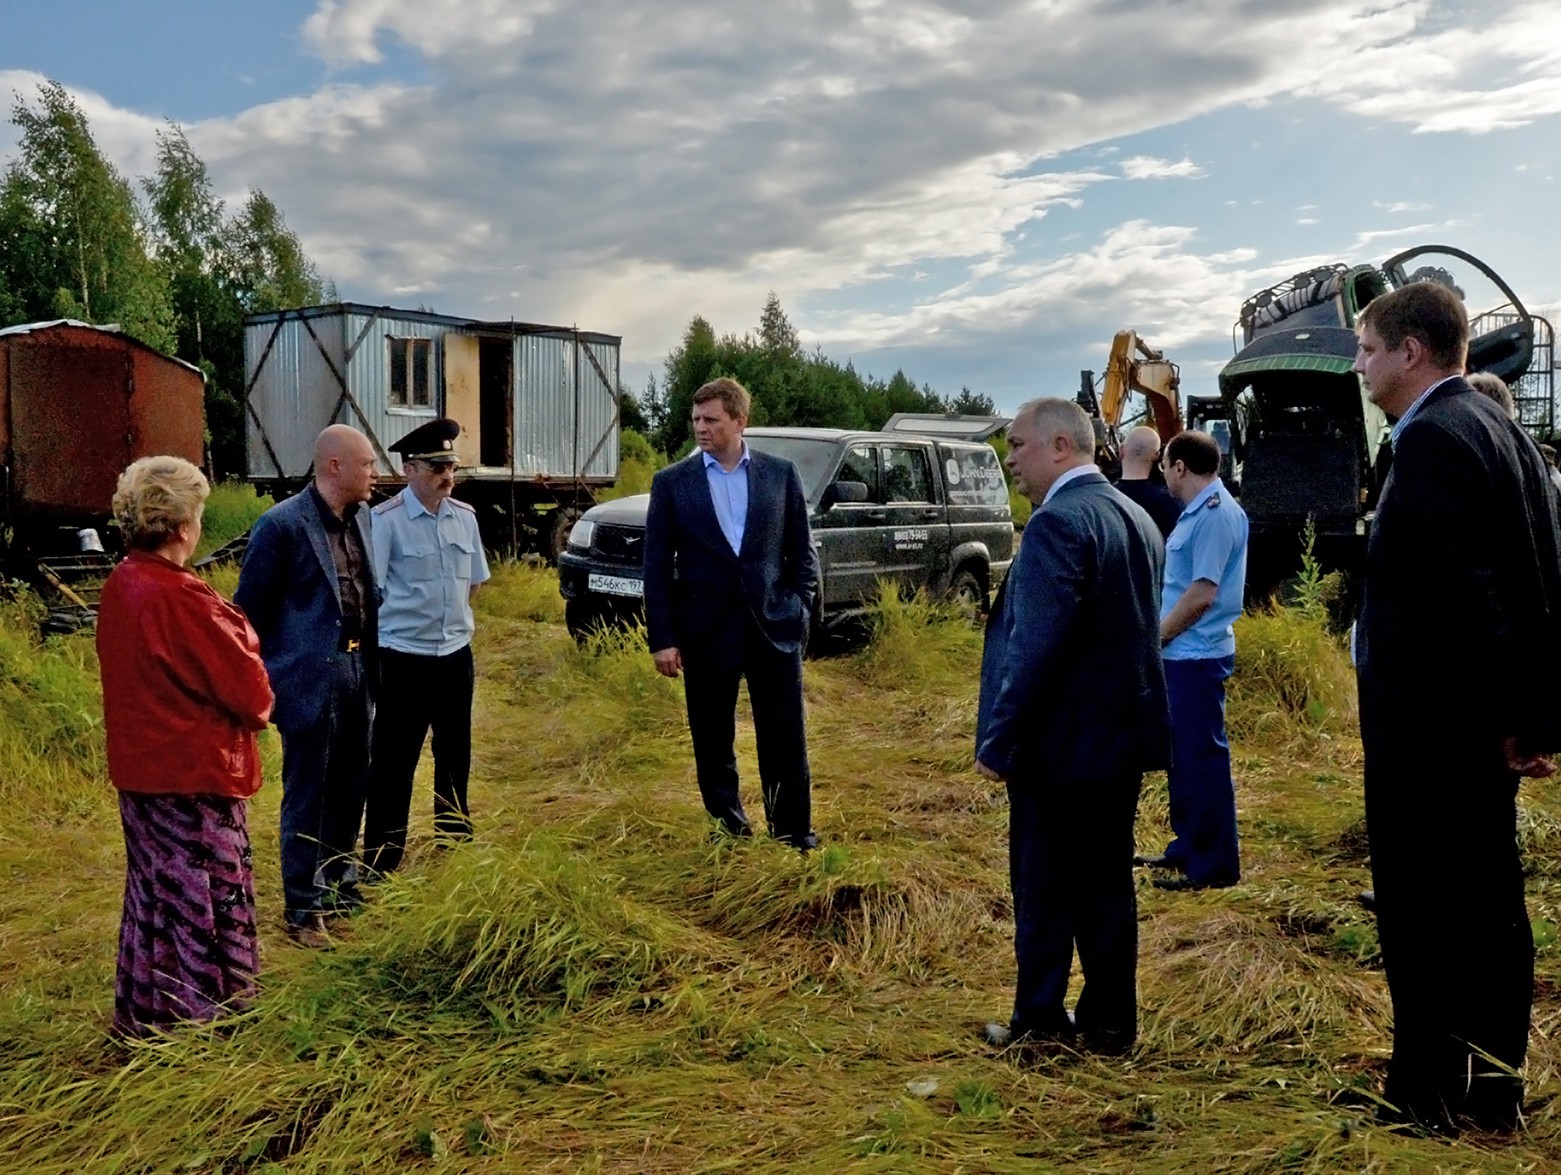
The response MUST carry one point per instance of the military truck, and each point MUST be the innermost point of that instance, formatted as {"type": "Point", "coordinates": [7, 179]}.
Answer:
{"type": "Point", "coordinates": [1305, 442]}
{"type": "Point", "coordinates": [922, 504]}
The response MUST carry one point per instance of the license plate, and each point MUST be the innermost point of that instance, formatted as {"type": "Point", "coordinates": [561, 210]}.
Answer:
{"type": "Point", "coordinates": [615, 585]}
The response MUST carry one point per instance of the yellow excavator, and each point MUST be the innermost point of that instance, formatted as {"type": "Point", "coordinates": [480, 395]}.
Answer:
{"type": "Point", "coordinates": [1133, 367]}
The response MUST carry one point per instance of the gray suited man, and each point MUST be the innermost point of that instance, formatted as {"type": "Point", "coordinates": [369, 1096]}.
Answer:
{"type": "Point", "coordinates": [1072, 713]}
{"type": "Point", "coordinates": [428, 556]}
{"type": "Point", "coordinates": [307, 586]}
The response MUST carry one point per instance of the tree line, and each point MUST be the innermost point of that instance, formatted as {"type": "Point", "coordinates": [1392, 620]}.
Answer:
{"type": "Point", "coordinates": [789, 385]}
{"type": "Point", "coordinates": [169, 263]}
{"type": "Point", "coordinates": [166, 260]}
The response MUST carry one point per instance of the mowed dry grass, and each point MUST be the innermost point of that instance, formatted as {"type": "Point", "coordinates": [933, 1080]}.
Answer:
{"type": "Point", "coordinates": [593, 986]}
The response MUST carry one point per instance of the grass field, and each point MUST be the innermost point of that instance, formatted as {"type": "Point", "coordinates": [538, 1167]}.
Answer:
{"type": "Point", "coordinates": [592, 986]}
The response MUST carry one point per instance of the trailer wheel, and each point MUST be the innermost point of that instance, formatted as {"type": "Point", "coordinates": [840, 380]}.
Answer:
{"type": "Point", "coordinates": [564, 519]}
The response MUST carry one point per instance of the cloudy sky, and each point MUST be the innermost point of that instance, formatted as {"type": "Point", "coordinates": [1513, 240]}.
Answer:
{"type": "Point", "coordinates": [978, 191]}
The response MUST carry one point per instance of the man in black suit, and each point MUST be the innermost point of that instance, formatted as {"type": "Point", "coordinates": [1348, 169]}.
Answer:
{"type": "Point", "coordinates": [1140, 453]}
{"type": "Point", "coordinates": [1073, 711]}
{"type": "Point", "coordinates": [1460, 621]}
{"type": "Point", "coordinates": [730, 580]}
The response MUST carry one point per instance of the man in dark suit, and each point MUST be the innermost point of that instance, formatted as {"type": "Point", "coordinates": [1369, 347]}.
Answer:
{"type": "Point", "coordinates": [1073, 711]}
{"type": "Point", "coordinates": [1460, 623]}
{"type": "Point", "coordinates": [1140, 453]}
{"type": "Point", "coordinates": [307, 585]}
{"type": "Point", "coordinates": [730, 580]}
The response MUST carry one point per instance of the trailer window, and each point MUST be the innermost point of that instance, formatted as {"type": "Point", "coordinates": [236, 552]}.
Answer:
{"type": "Point", "coordinates": [410, 362]}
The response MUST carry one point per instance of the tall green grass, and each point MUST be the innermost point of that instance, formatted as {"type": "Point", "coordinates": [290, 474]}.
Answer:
{"type": "Point", "coordinates": [231, 509]}
{"type": "Point", "coordinates": [592, 984]}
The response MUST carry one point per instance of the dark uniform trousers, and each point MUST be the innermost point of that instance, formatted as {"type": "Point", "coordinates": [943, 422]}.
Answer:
{"type": "Point", "coordinates": [325, 769]}
{"type": "Point", "coordinates": [418, 693]}
{"type": "Point", "coordinates": [1070, 860]}
{"type": "Point", "coordinates": [775, 690]}
{"type": "Point", "coordinates": [1457, 945]}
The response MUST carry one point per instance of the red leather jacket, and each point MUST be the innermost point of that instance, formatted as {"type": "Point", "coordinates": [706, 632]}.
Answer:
{"type": "Point", "coordinates": [184, 689]}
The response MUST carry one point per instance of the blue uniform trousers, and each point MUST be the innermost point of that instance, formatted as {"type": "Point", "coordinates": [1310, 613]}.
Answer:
{"type": "Point", "coordinates": [1203, 796]}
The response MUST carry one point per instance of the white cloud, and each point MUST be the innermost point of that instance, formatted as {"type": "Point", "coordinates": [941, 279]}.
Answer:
{"type": "Point", "coordinates": [626, 164]}
{"type": "Point", "coordinates": [1146, 167]}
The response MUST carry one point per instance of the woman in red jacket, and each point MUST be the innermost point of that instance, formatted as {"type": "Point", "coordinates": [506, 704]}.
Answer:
{"type": "Point", "coordinates": [184, 693]}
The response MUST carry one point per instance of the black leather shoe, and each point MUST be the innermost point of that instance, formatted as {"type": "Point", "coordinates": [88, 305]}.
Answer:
{"type": "Point", "coordinates": [1367, 898]}
{"type": "Point", "coordinates": [342, 902]}
{"type": "Point", "coordinates": [1002, 1036]}
{"type": "Point", "coordinates": [1187, 884]}
{"type": "Point", "coordinates": [1108, 1042]}
{"type": "Point", "coordinates": [309, 931]}
{"type": "Point", "coordinates": [1161, 861]}
{"type": "Point", "coordinates": [999, 1036]}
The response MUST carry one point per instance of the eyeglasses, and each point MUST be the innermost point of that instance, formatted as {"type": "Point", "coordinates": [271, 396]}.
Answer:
{"type": "Point", "coordinates": [440, 466]}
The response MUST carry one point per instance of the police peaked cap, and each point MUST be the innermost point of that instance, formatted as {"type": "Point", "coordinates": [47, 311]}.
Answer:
{"type": "Point", "coordinates": [434, 441]}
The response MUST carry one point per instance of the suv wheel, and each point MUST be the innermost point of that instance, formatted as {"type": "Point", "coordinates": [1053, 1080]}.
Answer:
{"type": "Point", "coordinates": [583, 617]}
{"type": "Point", "coordinates": [967, 595]}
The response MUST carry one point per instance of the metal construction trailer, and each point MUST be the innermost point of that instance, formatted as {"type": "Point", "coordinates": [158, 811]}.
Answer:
{"type": "Point", "coordinates": [538, 406]}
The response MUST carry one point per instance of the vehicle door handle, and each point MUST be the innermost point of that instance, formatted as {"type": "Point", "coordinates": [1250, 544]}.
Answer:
{"type": "Point", "coordinates": [876, 515]}
{"type": "Point", "coordinates": [931, 512]}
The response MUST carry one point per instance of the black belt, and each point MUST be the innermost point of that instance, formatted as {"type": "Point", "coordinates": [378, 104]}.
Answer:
{"type": "Point", "coordinates": [350, 644]}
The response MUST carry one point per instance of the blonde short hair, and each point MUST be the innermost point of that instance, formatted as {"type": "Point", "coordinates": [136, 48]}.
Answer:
{"type": "Point", "coordinates": [155, 497]}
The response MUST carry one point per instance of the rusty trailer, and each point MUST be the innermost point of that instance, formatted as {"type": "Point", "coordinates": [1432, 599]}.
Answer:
{"type": "Point", "coordinates": [78, 403]}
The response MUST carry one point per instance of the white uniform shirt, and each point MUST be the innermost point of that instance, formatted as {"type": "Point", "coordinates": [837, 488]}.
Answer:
{"type": "Point", "coordinates": [427, 565]}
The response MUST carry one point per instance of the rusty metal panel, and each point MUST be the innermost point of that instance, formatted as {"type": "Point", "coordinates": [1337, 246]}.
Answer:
{"type": "Point", "coordinates": [5, 403]}
{"type": "Point", "coordinates": [167, 409]}
{"type": "Point", "coordinates": [69, 420]}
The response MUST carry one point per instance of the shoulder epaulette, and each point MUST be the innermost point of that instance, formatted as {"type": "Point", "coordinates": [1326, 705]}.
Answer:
{"type": "Point", "coordinates": [467, 506]}
{"type": "Point", "coordinates": [389, 504]}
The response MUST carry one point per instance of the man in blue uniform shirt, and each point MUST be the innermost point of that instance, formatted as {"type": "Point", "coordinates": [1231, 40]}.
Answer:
{"type": "Point", "coordinates": [428, 557]}
{"type": "Point", "coordinates": [1205, 576]}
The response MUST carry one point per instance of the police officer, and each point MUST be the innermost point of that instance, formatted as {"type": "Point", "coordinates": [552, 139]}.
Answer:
{"type": "Point", "coordinates": [1205, 576]}
{"type": "Point", "coordinates": [429, 560]}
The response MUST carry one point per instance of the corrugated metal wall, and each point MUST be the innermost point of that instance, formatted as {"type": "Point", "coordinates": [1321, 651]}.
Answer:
{"type": "Point", "coordinates": [293, 395]}
{"type": "Point", "coordinates": [368, 376]}
{"type": "Point", "coordinates": [565, 414]}
{"type": "Point", "coordinates": [563, 410]}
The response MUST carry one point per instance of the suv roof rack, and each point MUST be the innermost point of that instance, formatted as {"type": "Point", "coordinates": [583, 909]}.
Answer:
{"type": "Point", "coordinates": [947, 425]}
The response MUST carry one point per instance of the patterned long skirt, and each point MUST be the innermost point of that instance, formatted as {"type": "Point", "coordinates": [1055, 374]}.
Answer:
{"type": "Point", "coordinates": [187, 943]}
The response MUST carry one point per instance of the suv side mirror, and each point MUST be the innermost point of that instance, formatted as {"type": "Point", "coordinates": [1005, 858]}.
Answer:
{"type": "Point", "coordinates": [844, 491]}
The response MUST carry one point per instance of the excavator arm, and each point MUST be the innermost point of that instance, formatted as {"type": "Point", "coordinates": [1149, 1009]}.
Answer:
{"type": "Point", "coordinates": [1134, 366]}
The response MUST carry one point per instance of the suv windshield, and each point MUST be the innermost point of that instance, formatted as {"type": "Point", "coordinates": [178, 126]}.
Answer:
{"type": "Point", "coordinates": [813, 458]}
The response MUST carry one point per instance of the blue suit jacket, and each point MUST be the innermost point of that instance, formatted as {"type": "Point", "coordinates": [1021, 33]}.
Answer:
{"type": "Point", "coordinates": [1072, 685]}
{"type": "Point", "coordinates": [698, 593]}
{"type": "Point", "coordinates": [288, 589]}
